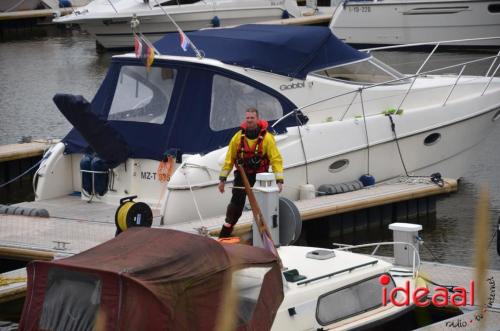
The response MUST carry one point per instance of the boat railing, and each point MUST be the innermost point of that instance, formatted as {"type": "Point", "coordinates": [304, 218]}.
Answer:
{"type": "Point", "coordinates": [415, 260]}
{"type": "Point", "coordinates": [413, 77]}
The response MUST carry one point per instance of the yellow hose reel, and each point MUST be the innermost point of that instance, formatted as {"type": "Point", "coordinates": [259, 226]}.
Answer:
{"type": "Point", "coordinates": [132, 214]}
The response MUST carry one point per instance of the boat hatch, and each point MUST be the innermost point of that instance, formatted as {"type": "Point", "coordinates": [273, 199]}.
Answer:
{"type": "Point", "coordinates": [351, 300]}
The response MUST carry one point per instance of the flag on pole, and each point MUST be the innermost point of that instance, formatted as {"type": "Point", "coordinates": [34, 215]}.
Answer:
{"type": "Point", "coordinates": [184, 40]}
{"type": "Point", "coordinates": [143, 51]}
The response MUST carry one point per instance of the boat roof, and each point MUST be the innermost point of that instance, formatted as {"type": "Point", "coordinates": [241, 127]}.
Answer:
{"type": "Point", "coordinates": [292, 51]}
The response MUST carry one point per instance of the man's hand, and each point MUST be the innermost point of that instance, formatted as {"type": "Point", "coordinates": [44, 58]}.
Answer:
{"type": "Point", "coordinates": [280, 186]}
{"type": "Point", "coordinates": [221, 186]}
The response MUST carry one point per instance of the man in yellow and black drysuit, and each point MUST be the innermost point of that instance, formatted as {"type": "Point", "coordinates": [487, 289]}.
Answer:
{"type": "Point", "coordinates": [255, 149]}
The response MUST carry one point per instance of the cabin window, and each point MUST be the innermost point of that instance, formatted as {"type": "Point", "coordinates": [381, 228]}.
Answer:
{"type": "Point", "coordinates": [231, 98]}
{"type": "Point", "coordinates": [173, 2]}
{"type": "Point", "coordinates": [141, 95]}
{"type": "Point", "coordinates": [370, 71]}
{"type": "Point", "coordinates": [494, 8]}
{"type": "Point", "coordinates": [71, 301]}
{"type": "Point", "coordinates": [247, 284]}
{"type": "Point", "coordinates": [352, 300]}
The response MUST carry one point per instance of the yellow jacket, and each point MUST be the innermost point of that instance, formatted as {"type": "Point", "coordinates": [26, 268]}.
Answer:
{"type": "Point", "coordinates": [269, 149]}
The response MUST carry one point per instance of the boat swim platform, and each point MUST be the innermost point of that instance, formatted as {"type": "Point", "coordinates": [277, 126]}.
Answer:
{"type": "Point", "coordinates": [75, 225]}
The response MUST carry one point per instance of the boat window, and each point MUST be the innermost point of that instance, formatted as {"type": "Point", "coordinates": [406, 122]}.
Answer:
{"type": "Point", "coordinates": [175, 2]}
{"type": "Point", "coordinates": [494, 8]}
{"type": "Point", "coordinates": [370, 71]}
{"type": "Point", "coordinates": [351, 300]}
{"type": "Point", "coordinates": [247, 283]}
{"type": "Point", "coordinates": [231, 98]}
{"type": "Point", "coordinates": [142, 95]}
{"type": "Point", "coordinates": [71, 301]}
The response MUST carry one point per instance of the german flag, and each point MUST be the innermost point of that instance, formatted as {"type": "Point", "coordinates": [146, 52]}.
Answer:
{"type": "Point", "coordinates": [143, 51]}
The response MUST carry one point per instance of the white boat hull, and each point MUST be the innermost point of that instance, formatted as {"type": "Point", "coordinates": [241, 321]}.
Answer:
{"type": "Point", "coordinates": [110, 25]}
{"type": "Point", "coordinates": [450, 156]}
{"type": "Point", "coordinates": [404, 22]}
{"type": "Point", "coordinates": [112, 34]}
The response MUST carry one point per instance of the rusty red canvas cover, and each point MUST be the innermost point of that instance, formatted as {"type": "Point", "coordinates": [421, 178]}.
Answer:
{"type": "Point", "coordinates": [148, 279]}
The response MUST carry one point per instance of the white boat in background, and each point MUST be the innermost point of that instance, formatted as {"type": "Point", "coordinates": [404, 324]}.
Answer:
{"type": "Point", "coordinates": [190, 107]}
{"type": "Point", "coordinates": [108, 21]}
{"type": "Point", "coordinates": [17, 5]}
{"type": "Point", "coordinates": [394, 22]}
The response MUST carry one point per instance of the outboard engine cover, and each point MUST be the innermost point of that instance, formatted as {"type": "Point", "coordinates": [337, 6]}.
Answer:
{"type": "Point", "coordinates": [101, 175]}
{"type": "Point", "coordinates": [85, 165]}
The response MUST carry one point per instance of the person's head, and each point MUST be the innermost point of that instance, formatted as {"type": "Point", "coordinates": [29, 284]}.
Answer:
{"type": "Point", "coordinates": [251, 118]}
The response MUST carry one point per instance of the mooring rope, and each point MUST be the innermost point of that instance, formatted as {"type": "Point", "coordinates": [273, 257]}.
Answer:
{"type": "Point", "coordinates": [21, 175]}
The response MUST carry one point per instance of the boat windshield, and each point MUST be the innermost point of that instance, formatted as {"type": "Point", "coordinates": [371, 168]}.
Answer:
{"type": "Point", "coordinates": [369, 71]}
{"type": "Point", "coordinates": [142, 95]}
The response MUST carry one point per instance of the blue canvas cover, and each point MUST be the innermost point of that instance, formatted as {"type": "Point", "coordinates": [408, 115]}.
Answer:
{"type": "Point", "coordinates": [186, 127]}
{"type": "Point", "coordinates": [292, 51]}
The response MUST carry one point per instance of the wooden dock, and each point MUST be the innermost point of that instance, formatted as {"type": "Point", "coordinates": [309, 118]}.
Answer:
{"type": "Point", "coordinates": [83, 225]}
{"type": "Point", "coordinates": [35, 14]}
{"type": "Point", "coordinates": [25, 150]}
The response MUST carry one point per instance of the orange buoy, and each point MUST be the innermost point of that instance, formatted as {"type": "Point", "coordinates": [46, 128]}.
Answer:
{"type": "Point", "coordinates": [229, 240]}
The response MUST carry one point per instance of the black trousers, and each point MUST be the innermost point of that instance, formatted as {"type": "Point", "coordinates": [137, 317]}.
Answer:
{"type": "Point", "coordinates": [237, 203]}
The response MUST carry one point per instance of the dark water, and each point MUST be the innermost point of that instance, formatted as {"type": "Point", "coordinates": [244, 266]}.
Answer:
{"type": "Point", "coordinates": [32, 71]}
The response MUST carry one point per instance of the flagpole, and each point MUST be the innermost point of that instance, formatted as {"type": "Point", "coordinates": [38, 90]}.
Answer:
{"type": "Point", "coordinates": [193, 46]}
{"type": "Point", "coordinates": [134, 23]}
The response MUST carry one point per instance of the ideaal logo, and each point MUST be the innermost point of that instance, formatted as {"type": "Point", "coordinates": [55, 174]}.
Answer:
{"type": "Point", "coordinates": [479, 315]}
{"type": "Point", "coordinates": [440, 298]}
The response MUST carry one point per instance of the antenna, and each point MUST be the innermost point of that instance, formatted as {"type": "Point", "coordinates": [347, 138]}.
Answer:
{"type": "Point", "coordinates": [183, 35]}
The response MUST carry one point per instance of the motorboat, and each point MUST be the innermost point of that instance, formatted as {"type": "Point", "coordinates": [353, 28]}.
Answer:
{"type": "Point", "coordinates": [16, 5]}
{"type": "Point", "coordinates": [165, 272]}
{"type": "Point", "coordinates": [394, 22]}
{"type": "Point", "coordinates": [337, 114]}
{"type": "Point", "coordinates": [108, 21]}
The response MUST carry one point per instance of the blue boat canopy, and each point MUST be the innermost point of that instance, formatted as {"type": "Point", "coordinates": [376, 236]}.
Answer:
{"type": "Point", "coordinates": [291, 51]}
{"type": "Point", "coordinates": [178, 107]}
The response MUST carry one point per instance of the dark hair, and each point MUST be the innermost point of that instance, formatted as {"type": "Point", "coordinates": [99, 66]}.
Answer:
{"type": "Point", "coordinates": [252, 110]}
